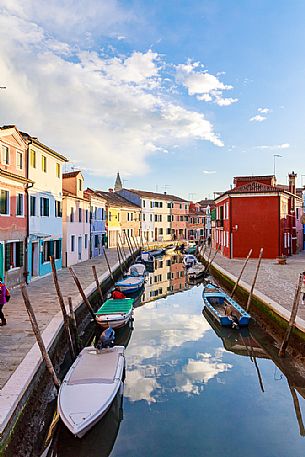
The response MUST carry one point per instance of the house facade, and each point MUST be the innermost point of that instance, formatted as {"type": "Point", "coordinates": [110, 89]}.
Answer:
{"type": "Point", "coordinates": [196, 223]}
{"type": "Point", "coordinates": [179, 219]}
{"type": "Point", "coordinates": [76, 220]}
{"type": "Point", "coordinates": [45, 207]}
{"type": "Point", "coordinates": [97, 222]}
{"type": "Point", "coordinates": [14, 185]}
{"type": "Point", "coordinates": [257, 214]}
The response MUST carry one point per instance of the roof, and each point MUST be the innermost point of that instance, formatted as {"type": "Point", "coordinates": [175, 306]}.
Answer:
{"type": "Point", "coordinates": [206, 202]}
{"type": "Point", "coordinates": [15, 177]}
{"type": "Point", "coordinates": [28, 138]}
{"type": "Point", "coordinates": [159, 196]}
{"type": "Point", "coordinates": [70, 194]}
{"type": "Point", "coordinates": [71, 174]}
{"type": "Point", "coordinates": [114, 199]}
{"type": "Point", "coordinates": [253, 178]}
{"type": "Point", "coordinates": [255, 187]}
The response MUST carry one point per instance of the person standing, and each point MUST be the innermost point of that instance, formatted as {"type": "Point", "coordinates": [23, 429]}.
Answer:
{"type": "Point", "coordinates": [4, 297]}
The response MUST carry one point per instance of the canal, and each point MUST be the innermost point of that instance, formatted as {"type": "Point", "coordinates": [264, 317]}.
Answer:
{"type": "Point", "coordinates": [193, 389]}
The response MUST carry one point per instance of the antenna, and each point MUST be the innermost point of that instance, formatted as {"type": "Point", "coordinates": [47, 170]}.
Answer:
{"type": "Point", "coordinates": [191, 195]}
{"type": "Point", "coordinates": [165, 187]}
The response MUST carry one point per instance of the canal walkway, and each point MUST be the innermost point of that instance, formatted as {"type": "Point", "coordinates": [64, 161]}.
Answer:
{"type": "Point", "coordinates": [17, 338]}
{"type": "Point", "coordinates": [278, 282]}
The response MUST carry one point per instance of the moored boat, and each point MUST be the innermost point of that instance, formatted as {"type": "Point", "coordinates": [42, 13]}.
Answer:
{"type": "Point", "coordinates": [137, 269]}
{"type": "Point", "coordinates": [155, 252]}
{"type": "Point", "coordinates": [115, 312]}
{"type": "Point", "coordinates": [195, 272]}
{"type": "Point", "coordinates": [130, 284]}
{"type": "Point", "coordinates": [223, 308]}
{"type": "Point", "coordinates": [189, 260]}
{"type": "Point", "coordinates": [90, 387]}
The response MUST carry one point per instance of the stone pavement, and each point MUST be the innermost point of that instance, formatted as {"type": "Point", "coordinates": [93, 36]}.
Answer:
{"type": "Point", "coordinates": [277, 282]}
{"type": "Point", "coordinates": [17, 338]}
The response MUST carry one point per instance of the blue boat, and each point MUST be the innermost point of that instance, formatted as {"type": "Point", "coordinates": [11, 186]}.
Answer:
{"type": "Point", "coordinates": [223, 308]}
{"type": "Point", "coordinates": [130, 284]}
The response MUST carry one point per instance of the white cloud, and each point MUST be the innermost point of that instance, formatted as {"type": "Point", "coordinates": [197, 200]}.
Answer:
{"type": "Point", "coordinates": [205, 86]}
{"type": "Point", "coordinates": [264, 110]}
{"type": "Point", "coordinates": [258, 118]}
{"type": "Point", "coordinates": [96, 109]}
{"type": "Point", "coordinates": [274, 146]}
{"type": "Point", "coordinates": [208, 172]}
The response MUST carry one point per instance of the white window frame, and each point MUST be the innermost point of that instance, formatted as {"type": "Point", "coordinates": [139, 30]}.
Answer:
{"type": "Point", "coordinates": [19, 153]}
{"type": "Point", "coordinates": [8, 203]}
{"type": "Point", "coordinates": [7, 151]}
{"type": "Point", "coordinates": [22, 204]}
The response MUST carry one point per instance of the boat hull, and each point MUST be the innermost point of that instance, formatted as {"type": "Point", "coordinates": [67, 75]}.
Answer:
{"type": "Point", "coordinates": [130, 286]}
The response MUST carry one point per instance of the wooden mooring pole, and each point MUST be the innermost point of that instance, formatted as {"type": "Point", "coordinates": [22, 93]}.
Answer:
{"type": "Point", "coordinates": [98, 286]}
{"type": "Point", "coordinates": [293, 316]}
{"type": "Point", "coordinates": [63, 308]}
{"type": "Point", "coordinates": [121, 241]}
{"type": "Point", "coordinates": [83, 295]}
{"type": "Point", "coordinates": [254, 279]}
{"type": "Point", "coordinates": [207, 267]}
{"type": "Point", "coordinates": [38, 336]}
{"type": "Point", "coordinates": [74, 326]}
{"type": "Point", "coordinates": [240, 275]}
{"type": "Point", "coordinates": [108, 265]}
{"type": "Point", "coordinates": [119, 258]}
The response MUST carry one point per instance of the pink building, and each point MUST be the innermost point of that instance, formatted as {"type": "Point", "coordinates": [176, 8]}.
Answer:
{"type": "Point", "coordinates": [179, 213]}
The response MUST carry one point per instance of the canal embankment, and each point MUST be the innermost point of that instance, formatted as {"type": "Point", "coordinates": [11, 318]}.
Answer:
{"type": "Point", "coordinates": [23, 374]}
{"type": "Point", "coordinates": [273, 294]}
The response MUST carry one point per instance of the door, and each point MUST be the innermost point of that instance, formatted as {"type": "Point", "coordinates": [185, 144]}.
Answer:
{"type": "Point", "coordinates": [35, 258]}
{"type": "Point", "coordinates": [1, 262]}
{"type": "Point", "coordinates": [79, 249]}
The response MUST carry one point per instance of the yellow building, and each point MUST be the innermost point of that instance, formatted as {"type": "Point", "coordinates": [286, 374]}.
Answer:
{"type": "Point", "coordinates": [123, 219]}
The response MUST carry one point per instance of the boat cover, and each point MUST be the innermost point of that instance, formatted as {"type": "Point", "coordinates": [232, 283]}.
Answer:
{"type": "Point", "coordinates": [90, 369]}
{"type": "Point", "coordinates": [113, 306]}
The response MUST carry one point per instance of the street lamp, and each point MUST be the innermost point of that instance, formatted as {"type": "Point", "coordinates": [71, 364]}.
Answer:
{"type": "Point", "coordinates": [274, 156]}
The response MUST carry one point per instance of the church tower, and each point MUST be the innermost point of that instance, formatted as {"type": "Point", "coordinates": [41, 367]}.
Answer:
{"type": "Point", "coordinates": [118, 183]}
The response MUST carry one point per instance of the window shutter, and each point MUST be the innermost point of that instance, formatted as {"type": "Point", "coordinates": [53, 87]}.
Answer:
{"type": "Point", "coordinates": [7, 256]}
{"type": "Point", "coordinates": [41, 206]}
{"type": "Point", "coordinates": [19, 254]}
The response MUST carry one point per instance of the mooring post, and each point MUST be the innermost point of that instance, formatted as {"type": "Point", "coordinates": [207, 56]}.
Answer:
{"type": "Point", "coordinates": [119, 259]}
{"type": "Point", "coordinates": [63, 308]}
{"type": "Point", "coordinates": [74, 326]}
{"type": "Point", "coordinates": [38, 336]}
{"type": "Point", "coordinates": [83, 295]}
{"type": "Point", "coordinates": [240, 275]}
{"type": "Point", "coordinates": [297, 409]}
{"type": "Point", "coordinates": [126, 238]}
{"type": "Point", "coordinates": [98, 286]}
{"type": "Point", "coordinates": [212, 260]}
{"type": "Point", "coordinates": [108, 265]}
{"type": "Point", "coordinates": [121, 241]}
{"type": "Point", "coordinates": [293, 315]}
{"type": "Point", "coordinates": [254, 279]}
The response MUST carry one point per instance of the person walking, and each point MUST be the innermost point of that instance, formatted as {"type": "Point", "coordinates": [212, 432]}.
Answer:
{"type": "Point", "coordinates": [4, 297]}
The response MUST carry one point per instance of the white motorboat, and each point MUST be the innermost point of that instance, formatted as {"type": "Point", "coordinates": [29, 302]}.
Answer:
{"type": "Point", "coordinates": [189, 260]}
{"type": "Point", "coordinates": [137, 269]}
{"type": "Point", "coordinates": [90, 387]}
{"type": "Point", "coordinates": [196, 272]}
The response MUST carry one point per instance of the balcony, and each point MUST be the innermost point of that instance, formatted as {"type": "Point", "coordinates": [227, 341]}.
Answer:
{"type": "Point", "coordinates": [219, 223]}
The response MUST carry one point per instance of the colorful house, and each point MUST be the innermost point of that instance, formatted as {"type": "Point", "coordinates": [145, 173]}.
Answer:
{"type": "Point", "coordinates": [76, 219]}
{"type": "Point", "coordinates": [180, 214]}
{"type": "Point", "coordinates": [257, 214]}
{"type": "Point", "coordinates": [45, 207]}
{"type": "Point", "coordinates": [97, 222]}
{"type": "Point", "coordinates": [14, 185]}
{"type": "Point", "coordinates": [123, 218]}
{"type": "Point", "coordinates": [196, 223]}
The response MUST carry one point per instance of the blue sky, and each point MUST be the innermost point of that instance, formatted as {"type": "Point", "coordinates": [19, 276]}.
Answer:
{"type": "Point", "coordinates": [177, 95]}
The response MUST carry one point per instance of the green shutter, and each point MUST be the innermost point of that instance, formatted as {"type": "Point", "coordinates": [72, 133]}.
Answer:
{"type": "Point", "coordinates": [7, 256]}
{"type": "Point", "coordinates": [1, 261]}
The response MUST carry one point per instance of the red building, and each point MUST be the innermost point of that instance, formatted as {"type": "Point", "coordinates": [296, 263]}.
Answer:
{"type": "Point", "coordinates": [257, 214]}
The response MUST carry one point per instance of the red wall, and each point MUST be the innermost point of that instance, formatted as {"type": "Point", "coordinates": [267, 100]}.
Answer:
{"type": "Point", "coordinates": [258, 226]}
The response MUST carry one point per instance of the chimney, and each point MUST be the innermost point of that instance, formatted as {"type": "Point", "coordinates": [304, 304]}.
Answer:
{"type": "Point", "coordinates": [164, 193]}
{"type": "Point", "coordinates": [110, 190]}
{"type": "Point", "coordinates": [292, 177]}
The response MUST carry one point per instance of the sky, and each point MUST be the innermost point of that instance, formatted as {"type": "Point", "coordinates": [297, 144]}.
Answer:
{"type": "Point", "coordinates": [178, 96]}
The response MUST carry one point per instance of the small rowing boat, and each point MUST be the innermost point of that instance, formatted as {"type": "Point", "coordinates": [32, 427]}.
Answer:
{"type": "Point", "coordinates": [115, 312]}
{"type": "Point", "coordinates": [90, 387]}
{"type": "Point", "coordinates": [130, 284]}
{"type": "Point", "coordinates": [223, 308]}
{"type": "Point", "coordinates": [137, 269]}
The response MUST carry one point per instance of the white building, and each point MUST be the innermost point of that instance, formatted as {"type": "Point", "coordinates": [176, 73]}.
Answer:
{"type": "Point", "coordinates": [76, 220]}
{"type": "Point", "coordinates": [45, 207]}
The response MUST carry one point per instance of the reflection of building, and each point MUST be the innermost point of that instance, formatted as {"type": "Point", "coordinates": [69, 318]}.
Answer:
{"type": "Point", "coordinates": [178, 276]}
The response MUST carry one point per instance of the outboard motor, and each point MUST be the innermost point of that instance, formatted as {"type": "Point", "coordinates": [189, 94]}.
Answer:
{"type": "Point", "coordinates": [106, 339]}
{"type": "Point", "coordinates": [235, 322]}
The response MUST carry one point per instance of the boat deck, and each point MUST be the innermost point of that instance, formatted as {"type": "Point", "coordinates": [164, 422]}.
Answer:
{"type": "Point", "coordinates": [113, 306]}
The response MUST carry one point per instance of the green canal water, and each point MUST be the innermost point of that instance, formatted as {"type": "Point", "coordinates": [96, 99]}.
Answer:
{"type": "Point", "coordinates": [193, 389]}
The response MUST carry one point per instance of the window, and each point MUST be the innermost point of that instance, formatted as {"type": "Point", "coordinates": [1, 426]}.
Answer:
{"type": "Point", "coordinates": [79, 214]}
{"type": "Point", "coordinates": [58, 208]}
{"type": "Point", "coordinates": [4, 202]}
{"type": "Point", "coordinates": [96, 241]}
{"type": "Point", "coordinates": [79, 184]}
{"type": "Point", "coordinates": [143, 203]}
{"type": "Point", "coordinates": [72, 243]}
{"type": "Point", "coordinates": [19, 205]}
{"type": "Point", "coordinates": [71, 214]}
{"type": "Point", "coordinates": [48, 250]}
{"type": "Point", "coordinates": [44, 164]}
{"type": "Point", "coordinates": [32, 206]}
{"type": "Point", "coordinates": [13, 255]}
{"type": "Point", "coordinates": [58, 170]}
{"type": "Point", "coordinates": [5, 155]}
{"type": "Point", "coordinates": [44, 207]}
{"type": "Point", "coordinates": [143, 217]}
{"type": "Point", "coordinates": [57, 249]}
{"type": "Point", "coordinates": [169, 218]}
{"type": "Point", "coordinates": [87, 215]}
{"type": "Point", "coordinates": [33, 158]}
{"type": "Point", "coordinates": [86, 241]}
{"type": "Point", "coordinates": [168, 231]}
{"type": "Point", "coordinates": [109, 216]}
{"type": "Point", "coordinates": [19, 160]}
{"type": "Point", "coordinates": [161, 231]}
{"type": "Point", "coordinates": [151, 218]}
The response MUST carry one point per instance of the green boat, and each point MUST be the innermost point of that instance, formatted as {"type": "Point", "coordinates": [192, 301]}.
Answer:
{"type": "Point", "coordinates": [115, 313]}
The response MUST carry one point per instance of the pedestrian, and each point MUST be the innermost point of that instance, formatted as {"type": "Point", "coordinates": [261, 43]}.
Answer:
{"type": "Point", "coordinates": [4, 297]}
